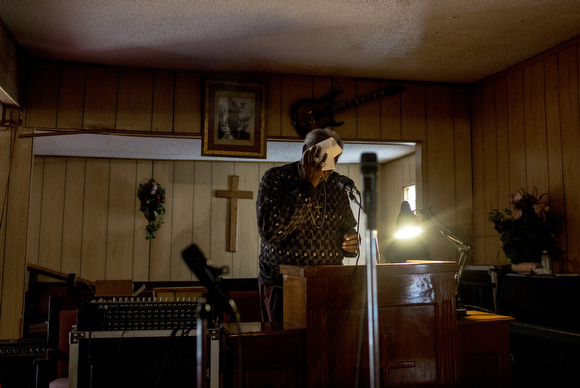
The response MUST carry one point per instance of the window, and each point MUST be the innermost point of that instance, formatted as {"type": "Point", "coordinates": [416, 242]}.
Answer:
{"type": "Point", "coordinates": [410, 196]}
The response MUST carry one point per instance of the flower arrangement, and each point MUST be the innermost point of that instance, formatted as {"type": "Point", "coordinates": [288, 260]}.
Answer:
{"type": "Point", "coordinates": [152, 197]}
{"type": "Point", "coordinates": [527, 230]}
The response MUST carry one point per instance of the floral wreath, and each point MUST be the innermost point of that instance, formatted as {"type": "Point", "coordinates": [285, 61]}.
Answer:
{"type": "Point", "coordinates": [152, 197]}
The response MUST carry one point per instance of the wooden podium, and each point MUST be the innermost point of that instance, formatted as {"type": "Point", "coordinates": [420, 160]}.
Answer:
{"type": "Point", "coordinates": [417, 322]}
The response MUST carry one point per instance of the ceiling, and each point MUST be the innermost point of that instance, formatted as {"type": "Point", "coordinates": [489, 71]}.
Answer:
{"type": "Point", "coordinates": [417, 40]}
{"type": "Point", "coordinates": [441, 41]}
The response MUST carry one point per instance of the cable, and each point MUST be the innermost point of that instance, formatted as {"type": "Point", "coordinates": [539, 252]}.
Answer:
{"type": "Point", "coordinates": [119, 345]}
{"type": "Point", "coordinates": [166, 357]}
{"type": "Point", "coordinates": [178, 356]}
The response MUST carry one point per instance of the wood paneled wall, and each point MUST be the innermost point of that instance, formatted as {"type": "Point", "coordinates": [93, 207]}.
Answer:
{"type": "Point", "coordinates": [85, 217]}
{"type": "Point", "coordinates": [15, 159]}
{"type": "Point", "coordinates": [86, 201]}
{"type": "Point", "coordinates": [15, 170]}
{"type": "Point", "coordinates": [526, 134]}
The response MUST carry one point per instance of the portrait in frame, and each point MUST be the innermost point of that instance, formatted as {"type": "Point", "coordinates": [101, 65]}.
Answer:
{"type": "Point", "coordinates": [234, 119]}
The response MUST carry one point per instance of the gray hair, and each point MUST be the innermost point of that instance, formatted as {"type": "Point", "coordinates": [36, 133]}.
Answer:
{"type": "Point", "coordinates": [319, 134]}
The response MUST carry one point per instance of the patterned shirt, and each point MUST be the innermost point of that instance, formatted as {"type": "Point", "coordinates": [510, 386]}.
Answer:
{"type": "Point", "coordinates": [300, 224]}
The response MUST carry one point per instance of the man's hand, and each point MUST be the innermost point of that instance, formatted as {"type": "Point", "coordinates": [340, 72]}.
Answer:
{"type": "Point", "coordinates": [311, 166]}
{"type": "Point", "coordinates": [350, 243]}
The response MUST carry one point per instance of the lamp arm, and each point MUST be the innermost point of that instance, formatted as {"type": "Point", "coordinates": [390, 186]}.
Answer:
{"type": "Point", "coordinates": [462, 246]}
{"type": "Point", "coordinates": [460, 266]}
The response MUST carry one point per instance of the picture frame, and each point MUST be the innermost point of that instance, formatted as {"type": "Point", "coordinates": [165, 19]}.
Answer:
{"type": "Point", "coordinates": [234, 119]}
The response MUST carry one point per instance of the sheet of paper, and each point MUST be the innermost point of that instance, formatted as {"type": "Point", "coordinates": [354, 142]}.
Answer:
{"type": "Point", "coordinates": [330, 147]}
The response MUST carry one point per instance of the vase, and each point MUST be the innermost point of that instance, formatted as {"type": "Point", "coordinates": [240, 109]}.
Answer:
{"type": "Point", "coordinates": [526, 267]}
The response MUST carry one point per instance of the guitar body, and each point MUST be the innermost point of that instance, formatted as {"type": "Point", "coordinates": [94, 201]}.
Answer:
{"type": "Point", "coordinates": [310, 113]}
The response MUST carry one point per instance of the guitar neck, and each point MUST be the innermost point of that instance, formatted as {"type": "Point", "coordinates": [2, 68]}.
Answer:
{"type": "Point", "coordinates": [391, 91]}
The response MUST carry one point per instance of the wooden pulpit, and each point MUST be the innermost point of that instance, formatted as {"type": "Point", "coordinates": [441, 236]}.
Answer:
{"type": "Point", "coordinates": [417, 323]}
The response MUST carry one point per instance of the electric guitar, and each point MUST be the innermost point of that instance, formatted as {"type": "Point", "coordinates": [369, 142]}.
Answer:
{"type": "Point", "coordinates": [310, 113]}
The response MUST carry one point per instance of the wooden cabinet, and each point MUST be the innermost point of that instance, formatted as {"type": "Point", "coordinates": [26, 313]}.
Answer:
{"type": "Point", "coordinates": [484, 358]}
{"type": "Point", "coordinates": [417, 323]}
{"type": "Point", "coordinates": [269, 354]}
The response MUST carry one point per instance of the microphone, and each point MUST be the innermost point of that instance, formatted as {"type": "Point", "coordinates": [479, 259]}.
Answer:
{"type": "Point", "coordinates": [206, 275]}
{"type": "Point", "coordinates": [368, 169]}
{"type": "Point", "coordinates": [347, 184]}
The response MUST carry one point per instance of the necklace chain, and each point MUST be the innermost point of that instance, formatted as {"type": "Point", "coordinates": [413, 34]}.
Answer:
{"type": "Point", "coordinates": [318, 207]}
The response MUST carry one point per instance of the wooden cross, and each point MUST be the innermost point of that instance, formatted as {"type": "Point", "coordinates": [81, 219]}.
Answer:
{"type": "Point", "coordinates": [234, 195]}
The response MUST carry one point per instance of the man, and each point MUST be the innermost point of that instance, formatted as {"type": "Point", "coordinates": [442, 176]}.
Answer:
{"type": "Point", "coordinates": [304, 217]}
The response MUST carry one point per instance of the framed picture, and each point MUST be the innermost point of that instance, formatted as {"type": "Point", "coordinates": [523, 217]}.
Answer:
{"type": "Point", "coordinates": [234, 119]}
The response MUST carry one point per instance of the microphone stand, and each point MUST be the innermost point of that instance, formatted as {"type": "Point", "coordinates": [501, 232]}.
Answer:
{"type": "Point", "coordinates": [372, 312]}
{"type": "Point", "coordinates": [203, 315]}
{"type": "Point", "coordinates": [215, 295]}
{"type": "Point", "coordinates": [369, 173]}
{"type": "Point", "coordinates": [369, 169]}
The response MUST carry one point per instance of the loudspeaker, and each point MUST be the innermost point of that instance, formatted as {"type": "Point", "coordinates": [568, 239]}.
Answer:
{"type": "Point", "coordinates": [17, 362]}
{"type": "Point", "coordinates": [138, 358]}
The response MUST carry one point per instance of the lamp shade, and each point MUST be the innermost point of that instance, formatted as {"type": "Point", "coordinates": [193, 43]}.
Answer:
{"type": "Point", "coordinates": [407, 225]}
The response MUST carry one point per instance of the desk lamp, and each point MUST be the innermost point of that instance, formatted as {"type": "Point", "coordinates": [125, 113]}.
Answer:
{"type": "Point", "coordinates": [407, 226]}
